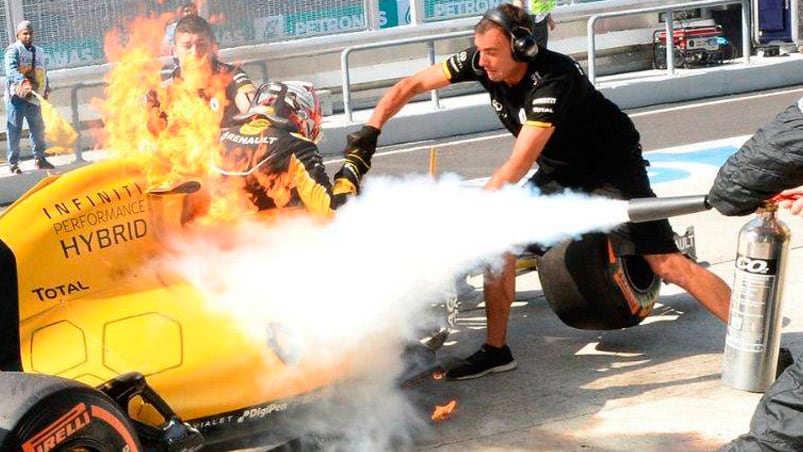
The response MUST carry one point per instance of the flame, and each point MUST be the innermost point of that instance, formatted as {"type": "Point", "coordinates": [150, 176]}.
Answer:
{"type": "Point", "coordinates": [184, 148]}
{"type": "Point", "coordinates": [443, 412]}
{"type": "Point", "coordinates": [59, 134]}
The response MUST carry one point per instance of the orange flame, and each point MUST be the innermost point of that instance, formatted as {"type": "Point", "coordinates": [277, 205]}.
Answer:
{"type": "Point", "coordinates": [441, 413]}
{"type": "Point", "coordinates": [59, 134]}
{"type": "Point", "coordinates": [185, 148]}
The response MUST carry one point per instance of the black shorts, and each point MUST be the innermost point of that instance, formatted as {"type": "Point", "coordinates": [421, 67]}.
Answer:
{"type": "Point", "coordinates": [625, 180]}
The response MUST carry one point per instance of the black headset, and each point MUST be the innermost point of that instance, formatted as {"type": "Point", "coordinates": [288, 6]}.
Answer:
{"type": "Point", "coordinates": [522, 42]}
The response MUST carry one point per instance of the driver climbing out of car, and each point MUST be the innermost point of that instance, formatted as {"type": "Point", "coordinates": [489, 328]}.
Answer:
{"type": "Point", "coordinates": [269, 138]}
{"type": "Point", "coordinates": [580, 140]}
{"type": "Point", "coordinates": [273, 148]}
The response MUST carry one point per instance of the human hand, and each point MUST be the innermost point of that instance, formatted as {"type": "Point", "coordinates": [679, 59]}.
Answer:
{"type": "Point", "coordinates": [363, 140]}
{"type": "Point", "coordinates": [24, 88]}
{"type": "Point", "coordinates": [792, 199]}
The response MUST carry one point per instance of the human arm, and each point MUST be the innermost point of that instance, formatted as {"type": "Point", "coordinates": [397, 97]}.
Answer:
{"type": "Point", "coordinates": [769, 162]}
{"type": "Point", "coordinates": [244, 97]}
{"type": "Point", "coordinates": [244, 90]}
{"type": "Point", "coordinates": [527, 148]}
{"type": "Point", "coordinates": [402, 92]}
{"type": "Point", "coordinates": [550, 22]}
{"type": "Point", "coordinates": [12, 65]}
{"type": "Point", "coordinates": [16, 80]}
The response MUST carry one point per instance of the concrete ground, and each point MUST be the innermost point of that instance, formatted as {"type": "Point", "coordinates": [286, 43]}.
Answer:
{"type": "Point", "coordinates": [653, 387]}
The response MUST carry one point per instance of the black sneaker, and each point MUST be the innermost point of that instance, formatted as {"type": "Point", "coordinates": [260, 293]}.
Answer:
{"type": "Point", "coordinates": [15, 169]}
{"type": "Point", "coordinates": [42, 163]}
{"type": "Point", "coordinates": [487, 360]}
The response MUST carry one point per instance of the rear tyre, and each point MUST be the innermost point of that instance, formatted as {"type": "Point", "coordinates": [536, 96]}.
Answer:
{"type": "Point", "coordinates": [42, 412]}
{"type": "Point", "coordinates": [591, 288]}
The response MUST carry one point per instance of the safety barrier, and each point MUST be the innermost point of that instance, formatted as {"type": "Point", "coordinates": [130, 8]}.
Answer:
{"type": "Point", "coordinates": [429, 40]}
{"type": "Point", "coordinates": [669, 10]}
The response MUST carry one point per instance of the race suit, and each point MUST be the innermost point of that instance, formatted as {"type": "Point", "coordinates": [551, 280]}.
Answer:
{"type": "Point", "coordinates": [280, 169]}
{"type": "Point", "coordinates": [594, 147]}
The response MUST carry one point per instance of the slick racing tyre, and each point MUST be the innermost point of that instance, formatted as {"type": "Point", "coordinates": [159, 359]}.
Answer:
{"type": "Point", "coordinates": [44, 413]}
{"type": "Point", "coordinates": [589, 287]}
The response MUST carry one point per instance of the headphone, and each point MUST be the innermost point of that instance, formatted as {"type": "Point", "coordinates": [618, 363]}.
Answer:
{"type": "Point", "coordinates": [522, 42]}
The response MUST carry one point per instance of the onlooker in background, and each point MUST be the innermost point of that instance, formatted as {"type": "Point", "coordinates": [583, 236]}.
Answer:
{"type": "Point", "coordinates": [541, 11]}
{"type": "Point", "coordinates": [186, 9]}
{"type": "Point", "coordinates": [25, 75]}
{"type": "Point", "coordinates": [770, 162]}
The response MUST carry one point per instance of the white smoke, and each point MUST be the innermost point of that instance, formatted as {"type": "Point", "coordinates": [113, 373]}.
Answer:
{"type": "Point", "coordinates": [352, 290]}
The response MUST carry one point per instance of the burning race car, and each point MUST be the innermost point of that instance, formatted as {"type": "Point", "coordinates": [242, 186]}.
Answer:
{"type": "Point", "coordinates": [84, 322]}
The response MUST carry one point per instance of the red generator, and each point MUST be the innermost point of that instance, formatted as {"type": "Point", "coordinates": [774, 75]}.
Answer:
{"type": "Point", "coordinates": [693, 47]}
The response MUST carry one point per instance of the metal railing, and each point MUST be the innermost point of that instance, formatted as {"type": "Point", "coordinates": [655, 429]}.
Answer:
{"type": "Point", "coordinates": [76, 115]}
{"type": "Point", "coordinates": [670, 45]}
{"type": "Point", "coordinates": [430, 40]}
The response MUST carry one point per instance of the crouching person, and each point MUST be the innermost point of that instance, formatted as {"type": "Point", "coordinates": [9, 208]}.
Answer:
{"type": "Point", "coordinates": [770, 162]}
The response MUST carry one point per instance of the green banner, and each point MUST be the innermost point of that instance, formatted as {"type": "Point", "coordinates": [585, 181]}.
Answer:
{"type": "Point", "coordinates": [393, 13]}
{"type": "Point", "coordinates": [73, 53]}
{"type": "Point", "coordinates": [448, 9]}
{"type": "Point", "coordinates": [313, 23]}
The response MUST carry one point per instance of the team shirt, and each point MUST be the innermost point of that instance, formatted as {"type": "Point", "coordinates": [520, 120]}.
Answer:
{"type": "Point", "coordinates": [238, 82]}
{"type": "Point", "coordinates": [589, 129]}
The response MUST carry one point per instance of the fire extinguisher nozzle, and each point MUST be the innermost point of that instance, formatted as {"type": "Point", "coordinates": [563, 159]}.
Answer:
{"type": "Point", "coordinates": [640, 210]}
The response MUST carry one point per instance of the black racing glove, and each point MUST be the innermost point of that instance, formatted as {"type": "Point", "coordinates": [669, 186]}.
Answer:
{"type": "Point", "coordinates": [358, 152]}
{"type": "Point", "coordinates": [363, 139]}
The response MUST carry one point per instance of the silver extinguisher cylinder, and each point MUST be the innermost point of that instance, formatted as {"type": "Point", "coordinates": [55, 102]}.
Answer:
{"type": "Point", "coordinates": [754, 321]}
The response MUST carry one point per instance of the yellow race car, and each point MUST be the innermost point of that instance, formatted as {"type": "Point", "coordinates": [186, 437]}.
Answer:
{"type": "Point", "coordinates": [99, 352]}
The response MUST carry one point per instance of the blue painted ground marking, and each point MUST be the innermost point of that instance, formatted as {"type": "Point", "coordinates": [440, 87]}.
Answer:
{"type": "Point", "coordinates": [659, 173]}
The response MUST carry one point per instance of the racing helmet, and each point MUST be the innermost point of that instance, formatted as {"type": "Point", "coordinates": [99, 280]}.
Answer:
{"type": "Point", "coordinates": [292, 104]}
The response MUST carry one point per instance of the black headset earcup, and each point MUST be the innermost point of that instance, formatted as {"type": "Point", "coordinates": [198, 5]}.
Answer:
{"type": "Point", "coordinates": [525, 48]}
{"type": "Point", "coordinates": [522, 42]}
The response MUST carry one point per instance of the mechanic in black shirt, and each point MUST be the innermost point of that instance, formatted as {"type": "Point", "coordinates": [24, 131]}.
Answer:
{"type": "Point", "coordinates": [272, 149]}
{"type": "Point", "coordinates": [224, 86]}
{"type": "Point", "coordinates": [579, 139]}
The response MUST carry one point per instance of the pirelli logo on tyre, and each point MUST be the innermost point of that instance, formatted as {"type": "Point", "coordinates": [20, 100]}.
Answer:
{"type": "Point", "coordinates": [56, 433]}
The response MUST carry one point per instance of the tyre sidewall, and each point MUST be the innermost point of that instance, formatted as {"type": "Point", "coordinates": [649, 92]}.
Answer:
{"type": "Point", "coordinates": [588, 287]}
{"type": "Point", "coordinates": [72, 415]}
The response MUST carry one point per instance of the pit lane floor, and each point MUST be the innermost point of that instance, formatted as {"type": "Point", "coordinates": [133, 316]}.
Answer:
{"type": "Point", "coordinates": [653, 387]}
